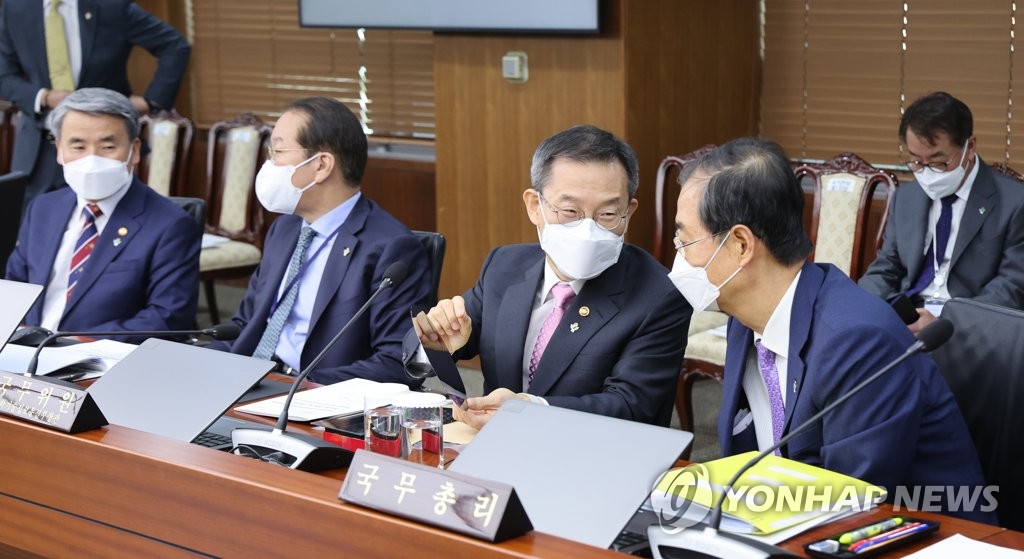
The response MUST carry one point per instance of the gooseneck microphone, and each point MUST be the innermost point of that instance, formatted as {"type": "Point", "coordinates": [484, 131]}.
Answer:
{"type": "Point", "coordinates": [709, 542]}
{"type": "Point", "coordinates": [226, 332]}
{"type": "Point", "coordinates": [299, 451]}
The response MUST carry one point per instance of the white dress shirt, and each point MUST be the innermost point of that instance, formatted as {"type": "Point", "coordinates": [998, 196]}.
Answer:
{"type": "Point", "coordinates": [776, 338]}
{"type": "Point", "coordinates": [55, 299]}
{"type": "Point", "coordinates": [68, 10]}
{"type": "Point", "coordinates": [543, 304]}
{"type": "Point", "coordinates": [296, 326]}
{"type": "Point", "coordinates": [939, 288]}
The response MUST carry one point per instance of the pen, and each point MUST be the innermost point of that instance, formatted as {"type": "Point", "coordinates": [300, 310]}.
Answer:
{"type": "Point", "coordinates": [884, 539]}
{"type": "Point", "coordinates": [869, 531]}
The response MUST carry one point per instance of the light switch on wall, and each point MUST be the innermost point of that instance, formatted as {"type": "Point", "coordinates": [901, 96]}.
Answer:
{"type": "Point", "coordinates": [515, 67]}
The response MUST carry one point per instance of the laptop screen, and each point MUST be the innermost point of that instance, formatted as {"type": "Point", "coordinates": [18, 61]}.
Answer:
{"type": "Point", "coordinates": [579, 476]}
{"type": "Point", "coordinates": [17, 299]}
{"type": "Point", "coordinates": [175, 390]}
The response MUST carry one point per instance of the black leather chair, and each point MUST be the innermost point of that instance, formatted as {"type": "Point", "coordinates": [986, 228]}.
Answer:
{"type": "Point", "coordinates": [434, 244]}
{"type": "Point", "coordinates": [982, 364]}
{"type": "Point", "coordinates": [12, 200]}
{"type": "Point", "coordinates": [195, 207]}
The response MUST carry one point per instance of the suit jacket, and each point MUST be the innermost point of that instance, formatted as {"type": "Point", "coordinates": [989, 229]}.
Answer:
{"type": "Point", "coordinates": [987, 263]}
{"type": "Point", "coordinates": [148, 281]}
{"type": "Point", "coordinates": [623, 359]}
{"type": "Point", "coordinates": [905, 429]}
{"type": "Point", "coordinates": [369, 241]}
{"type": "Point", "coordinates": [109, 30]}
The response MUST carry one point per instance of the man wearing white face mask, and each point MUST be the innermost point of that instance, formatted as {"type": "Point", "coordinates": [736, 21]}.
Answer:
{"type": "Point", "coordinates": [802, 334]}
{"type": "Point", "coordinates": [112, 253]}
{"type": "Point", "coordinates": [957, 232]}
{"type": "Point", "coordinates": [581, 320]}
{"type": "Point", "coordinates": [324, 258]}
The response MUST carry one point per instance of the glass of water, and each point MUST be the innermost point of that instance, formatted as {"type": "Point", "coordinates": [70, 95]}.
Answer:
{"type": "Point", "coordinates": [422, 426]}
{"type": "Point", "coordinates": [382, 425]}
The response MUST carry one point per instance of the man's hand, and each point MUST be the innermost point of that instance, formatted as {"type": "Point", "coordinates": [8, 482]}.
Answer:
{"type": "Point", "coordinates": [925, 318]}
{"type": "Point", "coordinates": [478, 411]}
{"type": "Point", "coordinates": [53, 97]}
{"type": "Point", "coordinates": [445, 327]}
{"type": "Point", "coordinates": [140, 104]}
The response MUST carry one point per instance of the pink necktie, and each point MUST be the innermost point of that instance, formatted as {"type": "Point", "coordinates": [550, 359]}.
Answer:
{"type": "Point", "coordinates": [564, 295]}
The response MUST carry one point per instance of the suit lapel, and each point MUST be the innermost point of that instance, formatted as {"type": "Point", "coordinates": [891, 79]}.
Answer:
{"type": "Point", "coordinates": [124, 219]}
{"type": "Point", "coordinates": [601, 296]}
{"type": "Point", "coordinates": [87, 17]}
{"type": "Point", "coordinates": [514, 313]}
{"type": "Point", "coordinates": [977, 208]}
{"type": "Point", "coordinates": [811, 278]}
{"type": "Point", "coordinates": [342, 252]}
{"type": "Point", "coordinates": [32, 29]}
{"type": "Point", "coordinates": [740, 340]}
{"type": "Point", "coordinates": [915, 223]}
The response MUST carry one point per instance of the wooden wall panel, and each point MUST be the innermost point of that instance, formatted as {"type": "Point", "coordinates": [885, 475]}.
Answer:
{"type": "Point", "coordinates": [141, 64]}
{"type": "Point", "coordinates": [487, 130]}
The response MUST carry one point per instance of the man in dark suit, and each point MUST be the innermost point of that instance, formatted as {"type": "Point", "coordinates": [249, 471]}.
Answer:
{"type": "Point", "coordinates": [972, 217]}
{"type": "Point", "coordinates": [802, 334]}
{"type": "Point", "coordinates": [50, 48]}
{"type": "Point", "coordinates": [579, 321]}
{"type": "Point", "coordinates": [111, 253]}
{"type": "Point", "coordinates": [323, 260]}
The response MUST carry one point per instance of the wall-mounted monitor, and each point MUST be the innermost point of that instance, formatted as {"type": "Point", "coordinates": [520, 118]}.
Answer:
{"type": "Point", "coordinates": [479, 16]}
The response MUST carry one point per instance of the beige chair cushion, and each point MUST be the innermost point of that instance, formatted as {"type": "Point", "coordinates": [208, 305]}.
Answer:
{"type": "Point", "coordinates": [231, 254]}
{"type": "Point", "coordinates": [837, 222]}
{"type": "Point", "coordinates": [243, 146]}
{"type": "Point", "coordinates": [163, 145]}
{"type": "Point", "coordinates": [706, 346]}
{"type": "Point", "coordinates": [707, 320]}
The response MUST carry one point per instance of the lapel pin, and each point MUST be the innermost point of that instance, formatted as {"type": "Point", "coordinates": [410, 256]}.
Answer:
{"type": "Point", "coordinates": [122, 232]}
{"type": "Point", "coordinates": [117, 242]}
{"type": "Point", "coordinates": [574, 327]}
{"type": "Point", "coordinates": [346, 251]}
{"type": "Point", "coordinates": [981, 211]}
{"type": "Point", "coordinates": [88, 16]}
{"type": "Point", "coordinates": [584, 311]}
{"type": "Point", "coordinates": [794, 387]}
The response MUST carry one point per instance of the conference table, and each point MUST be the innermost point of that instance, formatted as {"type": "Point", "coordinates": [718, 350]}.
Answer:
{"type": "Point", "coordinates": [117, 492]}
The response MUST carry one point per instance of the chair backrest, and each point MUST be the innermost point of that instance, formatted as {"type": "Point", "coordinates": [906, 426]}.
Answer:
{"type": "Point", "coordinates": [195, 207]}
{"type": "Point", "coordinates": [235, 152]}
{"type": "Point", "coordinates": [434, 244]}
{"type": "Point", "coordinates": [982, 365]}
{"type": "Point", "coordinates": [844, 188]}
{"type": "Point", "coordinates": [1008, 171]}
{"type": "Point", "coordinates": [7, 132]}
{"type": "Point", "coordinates": [12, 200]}
{"type": "Point", "coordinates": [169, 137]}
{"type": "Point", "coordinates": [662, 251]}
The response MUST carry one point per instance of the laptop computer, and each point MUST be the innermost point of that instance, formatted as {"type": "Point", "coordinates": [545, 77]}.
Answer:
{"type": "Point", "coordinates": [579, 475]}
{"type": "Point", "coordinates": [177, 390]}
{"type": "Point", "coordinates": [18, 298]}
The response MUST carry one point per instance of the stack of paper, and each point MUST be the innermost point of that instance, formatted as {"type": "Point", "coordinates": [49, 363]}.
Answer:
{"type": "Point", "coordinates": [327, 401]}
{"type": "Point", "coordinates": [80, 361]}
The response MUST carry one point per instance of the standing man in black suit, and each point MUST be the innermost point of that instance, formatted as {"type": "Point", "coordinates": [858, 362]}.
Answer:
{"type": "Point", "coordinates": [959, 230]}
{"type": "Point", "coordinates": [50, 48]}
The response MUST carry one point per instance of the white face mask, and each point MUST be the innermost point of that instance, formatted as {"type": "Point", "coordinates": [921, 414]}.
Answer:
{"type": "Point", "coordinates": [582, 251]}
{"type": "Point", "coordinates": [694, 284]}
{"type": "Point", "coordinates": [274, 188]}
{"type": "Point", "coordinates": [939, 185]}
{"type": "Point", "coordinates": [95, 178]}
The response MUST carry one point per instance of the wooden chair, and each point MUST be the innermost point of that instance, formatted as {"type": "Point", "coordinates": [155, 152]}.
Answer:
{"type": "Point", "coordinates": [235, 152]}
{"type": "Point", "coordinates": [844, 188]}
{"type": "Point", "coordinates": [169, 137]}
{"type": "Point", "coordinates": [1008, 171]}
{"type": "Point", "coordinates": [7, 130]}
{"type": "Point", "coordinates": [705, 349]}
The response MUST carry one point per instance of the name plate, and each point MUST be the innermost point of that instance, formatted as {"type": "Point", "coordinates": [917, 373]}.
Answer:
{"type": "Point", "coordinates": [51, 403]}
{"type": "Point", "coordinates": [479, 508]}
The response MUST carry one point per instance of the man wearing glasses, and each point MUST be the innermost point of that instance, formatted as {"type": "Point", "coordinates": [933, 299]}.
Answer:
{"type": "Point", "coordinates": [581, 320]}
{"type": "Point", "coordinates": [326, 255]}
{"type": "Point", "coordinates": [959, 230]}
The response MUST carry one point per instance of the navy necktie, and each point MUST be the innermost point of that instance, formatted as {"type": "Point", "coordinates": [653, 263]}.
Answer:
{"type": "Point", "coordinates": [942, 230]}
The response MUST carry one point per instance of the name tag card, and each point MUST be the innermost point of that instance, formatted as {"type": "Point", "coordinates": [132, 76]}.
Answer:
{"type": "Point", "coordinates": [49, 402]}
{"type": "Point", "coordinates": [480, 508]}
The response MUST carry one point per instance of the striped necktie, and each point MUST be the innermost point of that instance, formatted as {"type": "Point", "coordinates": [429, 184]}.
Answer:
{"type": "Point", "coordinates": [84, 246]}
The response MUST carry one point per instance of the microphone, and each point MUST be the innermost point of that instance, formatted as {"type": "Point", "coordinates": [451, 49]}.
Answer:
{"type": "Point", "coordinates": [299, 451]}
{"type": "Point", "coordinates": [227, 331]}
{"type": "Point", "coordinates": [709, 542]}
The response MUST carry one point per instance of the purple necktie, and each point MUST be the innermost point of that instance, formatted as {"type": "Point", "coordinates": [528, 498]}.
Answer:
{"type": "Point", "coordinates": [943, 227]}
{"type": "Point", "coordinates": [564, 295]}
{"type": "Point", "coordinates": [770, 373]}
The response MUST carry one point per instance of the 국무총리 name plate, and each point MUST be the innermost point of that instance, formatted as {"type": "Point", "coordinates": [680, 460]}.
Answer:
{"type": "Point", "coordinates": [49, 402]}
{"type": "Point", "coordinates": [480, 508]}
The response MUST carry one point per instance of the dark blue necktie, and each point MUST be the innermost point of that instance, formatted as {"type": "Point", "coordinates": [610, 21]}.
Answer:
{"type": "Point", "coordinates": [942, 229]}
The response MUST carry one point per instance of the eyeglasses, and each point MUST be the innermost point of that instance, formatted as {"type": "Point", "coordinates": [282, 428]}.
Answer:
{"type": "Point", "coordinates": [680, 245]}
{"type": "Point", "coordinates": [917, 166]}
{"type": "Point", "coordinates": [571, 217]}
{"type": "Point", "coordinates": [273, 152]}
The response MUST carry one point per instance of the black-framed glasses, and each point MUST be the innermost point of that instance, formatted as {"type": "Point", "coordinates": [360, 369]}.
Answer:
{"type": "Point", "coordinates": [571, 217]}
{"type": "Point", "coordinates": [681, 246]}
